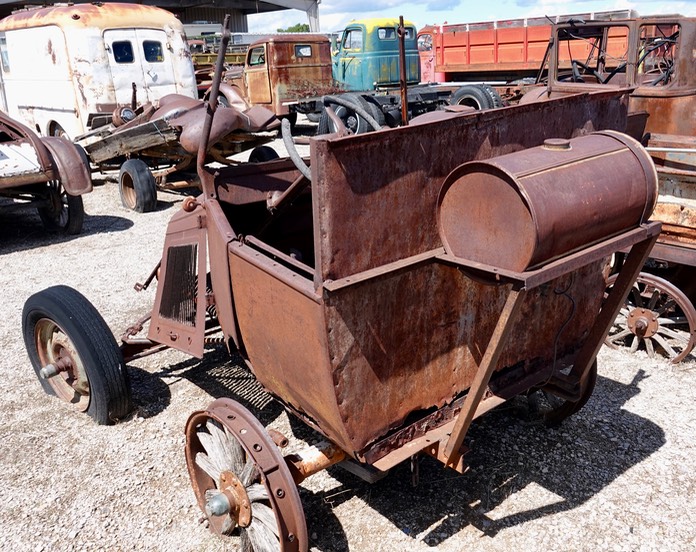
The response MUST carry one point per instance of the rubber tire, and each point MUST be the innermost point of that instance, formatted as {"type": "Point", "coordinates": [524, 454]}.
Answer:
{"type": "Point", "coordinates": [313, 117]}
{"type": "Point", "coordinates": [362, 125]}
{"type": "Point", "coordinates": [554, 417]}
{"type": "Point", "coordinates": [76, 214]}
{"type": "Point", "coordinates": [260, 154]}
{"type": "Point", "coordinates": [375, 110]}
{"type": "Point", "coordinates": [495, 99]}
{"type": "Point", "coordinates": [140, 193]}
{"type": "Point", "coordinates": [473, 96]}
{"type": "Point", "coordinates": [323, 126]}
{"type": "Point", "coordinates": [110, 393]}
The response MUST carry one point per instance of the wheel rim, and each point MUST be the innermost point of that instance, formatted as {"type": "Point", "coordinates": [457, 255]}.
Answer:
{"type": "Point", "coordinates": [55, 347]}
{"type": "Point", "coordinates": [241, 481]}
{"type": "Point", "coordinates": [57, 210]}
{"type": "Point", "coordinates": [657, 317]}
{"type": "Point", "coordinates": [128, 190]}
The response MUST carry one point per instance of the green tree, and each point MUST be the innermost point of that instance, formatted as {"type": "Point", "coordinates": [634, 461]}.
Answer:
{"type": "Point", "coordinates": [296, 28]}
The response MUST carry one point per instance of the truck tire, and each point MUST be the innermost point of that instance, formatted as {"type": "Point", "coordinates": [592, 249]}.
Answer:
{"type": "Point", "coordinates": [375, 110]}
{"type": "Point", "coordinates": [63, 212]}
{"type": "Point", "coordinates": [496, 100]}
{"type": "Point", "coordinates": [136, 185]}
{"type": "Point", "coordinates": [472, 96]}
{"type": "Point", "coordinates": [351, 119]}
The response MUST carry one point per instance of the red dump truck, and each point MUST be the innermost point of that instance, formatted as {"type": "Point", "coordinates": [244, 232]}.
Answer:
{"type": "Point", "coordinates": [492, 51]}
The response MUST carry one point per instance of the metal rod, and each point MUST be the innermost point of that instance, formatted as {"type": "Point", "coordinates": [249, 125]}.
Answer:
{"type": "Point", "coordinates": [484, 373]}
{"type": "Point", "coordinates": [634, 262]}
{"type": "Point", "coordinates": [211, 104]}
{"type": "Point", "coordinates": [402, 71]}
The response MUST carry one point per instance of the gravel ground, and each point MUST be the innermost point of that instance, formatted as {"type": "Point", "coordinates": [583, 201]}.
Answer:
{"type": "Point", "coordinates": [619, 475]}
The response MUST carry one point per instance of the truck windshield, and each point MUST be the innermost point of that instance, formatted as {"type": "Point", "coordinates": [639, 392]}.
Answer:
{"type": "Point", "coordinates": [353, 39]}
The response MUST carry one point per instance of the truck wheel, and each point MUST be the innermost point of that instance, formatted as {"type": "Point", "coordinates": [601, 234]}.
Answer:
{"type": "Point", "coordinates": [495, 99]}
{"type": "Point", "coordinates": [353, 122]}
{"type": "Point", "coordinates": [261, 154]}
{"type": "Point", "coordinates": [74, 354]}
{"type": "Point", "coordinates": [136, 185]}
{"type": "Point", "coordinates": [62, 212]}
{"type": "Point", "coordinates": [472, 96]}
{"type": "Point", "coordinates": [314, 117]}
{"type": "Point", "coordinates": [375, 110]}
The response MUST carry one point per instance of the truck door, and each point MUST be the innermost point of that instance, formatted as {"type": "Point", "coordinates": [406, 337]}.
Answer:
{"type": "Point", "coordinates": [256, 75]}
{"type": "Point", "coordinates": [348, 65]}
{"type": "Point", "coordinates": [140, 56]}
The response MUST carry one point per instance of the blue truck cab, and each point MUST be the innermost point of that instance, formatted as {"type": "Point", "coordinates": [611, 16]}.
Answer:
{"type": "Point", "coordinates": [367, 55]}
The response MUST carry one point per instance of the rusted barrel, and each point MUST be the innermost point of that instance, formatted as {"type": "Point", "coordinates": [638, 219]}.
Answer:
{"type": "Point", "coordinates": [526, 208]}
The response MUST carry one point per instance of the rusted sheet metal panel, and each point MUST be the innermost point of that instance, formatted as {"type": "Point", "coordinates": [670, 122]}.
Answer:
{"type": "Point", "coordinates": [108, 15]}
{"type": "Point", "coordinates": [668, 114]}
{"type": "Point", "coordinates": [284, 334]}
{"type": "Point", "coordinates": [525, 208]}
{"type": "Point", "coordinates": [414, 340]}
{"type": "Point", "coordinates": [178, 315]}
{"type": "Point", "coordinates": [383, 187]}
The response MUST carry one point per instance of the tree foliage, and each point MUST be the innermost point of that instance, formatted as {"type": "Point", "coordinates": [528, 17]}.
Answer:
{"type": "Point", "coordinates": [296, 28]}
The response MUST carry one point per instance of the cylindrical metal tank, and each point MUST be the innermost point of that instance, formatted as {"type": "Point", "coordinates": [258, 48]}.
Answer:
{"type": "Point", "coordinates": [526, 208]}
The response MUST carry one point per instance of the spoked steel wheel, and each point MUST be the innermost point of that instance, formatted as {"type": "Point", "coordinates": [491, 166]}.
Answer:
{"type": "Point", "coordinates": [241, 480]}
{"type": "Point", "coordinates": [657, 317]}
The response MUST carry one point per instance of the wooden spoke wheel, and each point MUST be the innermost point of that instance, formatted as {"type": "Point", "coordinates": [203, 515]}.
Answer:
{"type": "Point", "coordinates": [656, 317]}
{"type": "Point", "coordinates": [241, 480]}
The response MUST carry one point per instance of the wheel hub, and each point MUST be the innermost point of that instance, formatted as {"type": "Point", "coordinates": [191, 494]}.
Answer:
{"type": "Point", "coordinates": [643, 322]}
{"type": "Point", "coordinates": [234, 491]}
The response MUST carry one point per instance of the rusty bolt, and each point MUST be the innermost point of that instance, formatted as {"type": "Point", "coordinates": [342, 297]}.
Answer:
{"type": "Point", "coordinates": [280, 493]}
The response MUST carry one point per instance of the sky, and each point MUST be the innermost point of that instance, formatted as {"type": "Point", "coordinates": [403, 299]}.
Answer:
{"type": "Point", "coordinates": [334, 14]}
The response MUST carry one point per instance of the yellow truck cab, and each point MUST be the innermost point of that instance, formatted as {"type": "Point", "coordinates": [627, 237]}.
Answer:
{"type": "Point", "coordinates": [65, 69]}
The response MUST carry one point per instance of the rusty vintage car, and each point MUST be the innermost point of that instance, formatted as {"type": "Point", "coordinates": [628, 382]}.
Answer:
{"type": "Point", "coordinates": [387, 302]}
{"type": "Point", "coordinates": [48, 173]}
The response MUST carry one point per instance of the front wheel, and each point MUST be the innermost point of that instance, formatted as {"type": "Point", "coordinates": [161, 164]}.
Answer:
{"type": "Point", "coordinates": [75, 355]}
{"type": "Point", "coordinates": [61, 211]}
{"type": "Point", "coordinates": [241, 480]}
{"type": "Point", "coordinates": [137, 187]}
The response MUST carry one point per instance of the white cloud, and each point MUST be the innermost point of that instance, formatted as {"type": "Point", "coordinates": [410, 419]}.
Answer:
{"type": "Point", "coordinates": [334, 14]}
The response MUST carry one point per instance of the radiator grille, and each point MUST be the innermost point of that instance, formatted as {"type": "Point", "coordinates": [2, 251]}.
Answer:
{"type": "Point", "coordinates": [180, 291]}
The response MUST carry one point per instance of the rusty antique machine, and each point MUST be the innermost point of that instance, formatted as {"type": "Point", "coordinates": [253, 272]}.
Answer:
{"type": "Point", "coordinates": [401, 285]}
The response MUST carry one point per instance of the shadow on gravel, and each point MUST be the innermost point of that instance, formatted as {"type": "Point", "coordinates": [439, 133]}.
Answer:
{"type": "Point", "coordinates": [559, 469]}
{"type": "Point", "coordinates": [520, 470]}
{"type": "Point", "coordinates": [151, 395]}
{"type": "Point", "coordinates": [23, 230]}
{"type": "Point", "coordinates": [220, 375]}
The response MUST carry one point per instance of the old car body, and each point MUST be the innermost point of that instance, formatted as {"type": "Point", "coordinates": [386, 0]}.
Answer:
{"type": "Point", "coordinates": [47, 173]}
{"type": "Point", "coordinates": [66, 68]}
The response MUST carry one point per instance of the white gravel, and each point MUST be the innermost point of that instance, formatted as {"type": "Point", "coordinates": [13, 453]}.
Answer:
{"type": "Point", "coordinates": [620, 475]}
